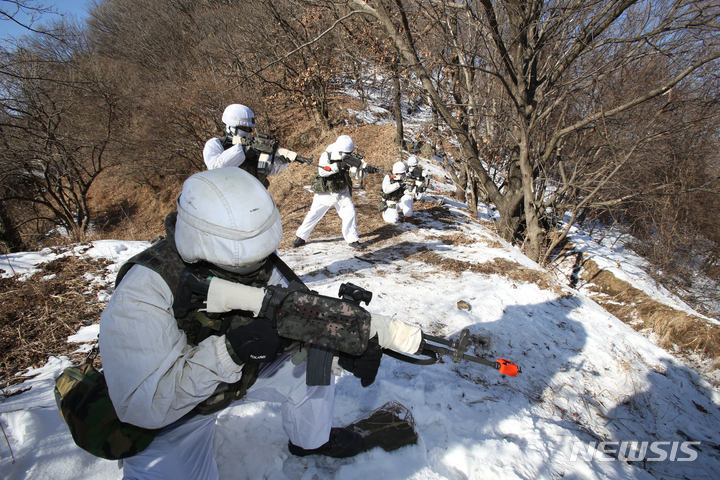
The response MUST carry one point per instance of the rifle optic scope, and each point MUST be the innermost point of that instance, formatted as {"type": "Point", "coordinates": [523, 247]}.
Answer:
{"type": "Point", "coordinates": [349, 291]}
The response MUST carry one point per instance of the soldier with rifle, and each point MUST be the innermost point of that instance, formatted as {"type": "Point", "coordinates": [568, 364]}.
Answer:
{"type": "Point", "coordinates": [395, 195]}
{"type": "Point", "coordinates": [259, 155]}
{"type": "Point", "coordinates": [416, 180]}
{"type": "Point", "coordinates": [332, 186]}
{"type": "Point", "coordinates": [210, 314]}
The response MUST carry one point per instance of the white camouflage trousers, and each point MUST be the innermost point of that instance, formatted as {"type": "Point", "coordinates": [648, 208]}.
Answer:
{"type": "Point", "coordinates": [342, 201]}
{"type": "Point", "coordinates": [405, 205]}
{"type": "Point", "coordinates": [184, 450]}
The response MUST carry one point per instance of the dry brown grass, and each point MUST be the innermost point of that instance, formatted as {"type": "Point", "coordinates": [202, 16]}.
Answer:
{"type": "Point", "coordinates": [674, 328]}
{"type": "Point", "coordinates": [130, 211]}
{"type": "Point", "coordinates": [497, 266]}
{"type": "Point", "coordinates": [39, 314]}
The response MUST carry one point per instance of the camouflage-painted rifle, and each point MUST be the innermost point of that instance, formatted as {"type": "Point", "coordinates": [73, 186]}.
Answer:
{"type": "Point", "coordinates": [327, 325]}
{"type": "Point", "coordinates": [431, 347]}
{"type": "Point", "coordinates": [266, 147]}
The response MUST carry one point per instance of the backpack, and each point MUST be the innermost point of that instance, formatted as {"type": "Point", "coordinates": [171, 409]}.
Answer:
{"type": "Point", "coordinates": [84, 403]}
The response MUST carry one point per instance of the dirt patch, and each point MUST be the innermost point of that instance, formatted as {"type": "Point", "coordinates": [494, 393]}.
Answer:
{"type": "Point", "coordinates": [462, 239]}
{"type": "Point", "coordinates": [456, 239]}
{"type": "Point", "coordinates": [674, 328]}
{"type": "Point", "coordinates": [497, 266]}
{"type": "Point", "coordinates": [40, 313]}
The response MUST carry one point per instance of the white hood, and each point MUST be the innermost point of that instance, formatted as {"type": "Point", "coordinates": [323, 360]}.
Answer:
{"type": "Point", "coordinates": [226, 217]}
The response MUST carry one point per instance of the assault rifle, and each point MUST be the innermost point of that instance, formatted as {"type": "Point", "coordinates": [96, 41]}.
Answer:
{"type": "Point", "coordinates": [325, 325]}
{"type": "Point", "coordinates": [266, 146]}
{"type": "Point", "coordinates": [348, 161]}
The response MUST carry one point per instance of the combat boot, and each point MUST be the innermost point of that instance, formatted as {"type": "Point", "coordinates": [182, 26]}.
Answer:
{"type": "Point", "coordinates": [343, 443]}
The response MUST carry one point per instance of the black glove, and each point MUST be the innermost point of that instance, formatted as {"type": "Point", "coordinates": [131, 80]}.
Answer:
{"type": "Point", "coordinates": [257, 341]}
{"type": "Point", "coordinates": [364, 366]}
{"type": "Point", "coordinates": [275, 294]}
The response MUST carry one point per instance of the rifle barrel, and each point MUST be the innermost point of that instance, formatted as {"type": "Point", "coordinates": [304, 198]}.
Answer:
{"type": "Point", "coordinates": [457, 351]}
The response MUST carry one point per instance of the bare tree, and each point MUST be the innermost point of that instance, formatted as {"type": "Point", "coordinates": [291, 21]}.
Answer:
{"type": "Point", "coordinates": [56, 126]}
{"type": "Point", "coordinates": [549, 59]}
{"type": "Point", "coordinates": [25, 13]}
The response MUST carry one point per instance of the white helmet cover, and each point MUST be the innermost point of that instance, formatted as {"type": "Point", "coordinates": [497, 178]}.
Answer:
{"type": "Point", "coordinates": [343, 144]}
{"type": "Point", "coordinates": [226, 217]}
{"type": "Point", "coordinates": [399, 168]}
{"type": "Point", "coordinates": [412, 161]}
{"type": "Point", "coordinates": [237, 115]}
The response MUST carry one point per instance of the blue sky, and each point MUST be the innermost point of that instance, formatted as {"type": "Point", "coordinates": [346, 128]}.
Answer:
{"type": "Point", "coordinates": [10, 29]}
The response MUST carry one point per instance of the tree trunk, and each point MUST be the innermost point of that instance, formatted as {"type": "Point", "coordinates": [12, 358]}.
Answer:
{"type": "Point", "coordinates": [397, 106]}
{"type": "Point", "coordinates": [535, 234]}
{"type": "Point", "coordinates": [472, 200]}
{"type": "Point", "coordinates": [10, 239]}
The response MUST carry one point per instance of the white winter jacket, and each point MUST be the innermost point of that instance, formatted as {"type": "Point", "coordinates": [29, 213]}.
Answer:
{"type": "Point", "coordinates": [325, 162]}
{"type": "Point", "coordinates": [154, 377]}
{"type": "Point", "coordinates": [216, 157]}
{"type": "Point", "coordinates": [388, 186]}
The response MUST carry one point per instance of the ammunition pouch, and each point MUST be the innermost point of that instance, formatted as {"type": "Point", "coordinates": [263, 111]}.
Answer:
{"type": "Point", "coordinates": [318, 184]}
{"type": "Point", "coordinates": [333, 183]}
{"type": "Point", "coordinates": [393, 197]}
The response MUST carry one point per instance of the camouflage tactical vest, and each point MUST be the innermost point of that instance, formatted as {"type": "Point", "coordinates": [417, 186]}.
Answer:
{"type": "Point", "coordinates": [334, 183]}
{"type": "Point", "coordinates": [393, 196]}
{"type": "Point", "coordinates": [164, 259]}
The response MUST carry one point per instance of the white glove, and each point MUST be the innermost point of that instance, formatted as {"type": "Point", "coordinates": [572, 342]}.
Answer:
{"type": "Point", "coordinates": [224, 296]}
{"type": "Point", "coordinates": [395, 335]}
{"type": "Point", "coordinates": [289, 154]}
{"type": "Point", "coordinates": [357, 173]}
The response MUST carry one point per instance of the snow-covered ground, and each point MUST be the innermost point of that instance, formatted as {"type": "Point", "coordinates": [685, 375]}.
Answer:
{"type": "Point", "coordinates": [587, 377]}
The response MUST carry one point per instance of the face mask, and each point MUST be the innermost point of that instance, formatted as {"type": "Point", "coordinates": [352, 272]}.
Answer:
{"type": "Point", "coordinates": [242, 133]}
{"type": "Point", "coordinates": [237, 132]}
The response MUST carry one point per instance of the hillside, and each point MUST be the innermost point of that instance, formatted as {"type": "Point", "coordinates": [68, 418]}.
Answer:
{"type": "Point", "coordinates": [587, 376]}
